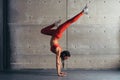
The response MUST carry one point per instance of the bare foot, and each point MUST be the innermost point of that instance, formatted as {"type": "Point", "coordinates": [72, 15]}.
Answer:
{"type": "Point", "coordinates": [85, 9]}
{"type": "Point", "coordinates": [57, 22]}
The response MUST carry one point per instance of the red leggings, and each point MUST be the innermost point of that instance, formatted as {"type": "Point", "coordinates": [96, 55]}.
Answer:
{"type": "Point", "coordinates": [57, 33]}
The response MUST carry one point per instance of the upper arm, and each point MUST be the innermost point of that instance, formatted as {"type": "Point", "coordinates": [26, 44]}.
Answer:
{"type": "Point", "coordinates": [58, 52]}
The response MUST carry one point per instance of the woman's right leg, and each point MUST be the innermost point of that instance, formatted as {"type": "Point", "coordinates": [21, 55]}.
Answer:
{"type": "Point", "coordinates": [65, 25]}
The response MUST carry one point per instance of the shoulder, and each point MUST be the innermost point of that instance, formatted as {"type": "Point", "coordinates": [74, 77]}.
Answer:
{"type": "Point", "coordinates": [58, 50]}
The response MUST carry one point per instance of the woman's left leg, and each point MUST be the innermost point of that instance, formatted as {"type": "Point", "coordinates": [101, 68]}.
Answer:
{"type": "Point", "coordinates": [48, 30]}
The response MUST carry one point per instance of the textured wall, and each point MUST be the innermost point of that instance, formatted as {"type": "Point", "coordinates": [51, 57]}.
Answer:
{"type": "Point", "coordinates": [30, 48]}
{"type": "Point", "coordinates": [93, 40]}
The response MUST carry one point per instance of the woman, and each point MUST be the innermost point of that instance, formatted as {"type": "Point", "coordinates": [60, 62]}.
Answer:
{"type": "Point", "coordinates": [56, 35]}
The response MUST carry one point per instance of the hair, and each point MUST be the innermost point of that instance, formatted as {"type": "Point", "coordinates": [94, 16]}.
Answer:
{"type": "Point", "coordinates": [64, 54]}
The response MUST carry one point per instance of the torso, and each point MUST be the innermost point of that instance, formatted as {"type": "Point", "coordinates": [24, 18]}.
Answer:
{"type": "Point", "coordinates": [54, 44]}
{"type": "Point", "coordinates": [53, 41]}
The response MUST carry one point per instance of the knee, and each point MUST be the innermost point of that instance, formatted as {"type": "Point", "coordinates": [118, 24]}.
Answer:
{"type": "Point", "coordinates": [42, 31]}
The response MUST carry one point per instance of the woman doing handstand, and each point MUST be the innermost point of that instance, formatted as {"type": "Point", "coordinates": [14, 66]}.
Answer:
{"type": "Point", "coordinates": [56, 35]}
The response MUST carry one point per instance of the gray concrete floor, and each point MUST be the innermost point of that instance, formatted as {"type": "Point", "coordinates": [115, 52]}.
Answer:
{"type": "Point", "coordinates": [51, 75]}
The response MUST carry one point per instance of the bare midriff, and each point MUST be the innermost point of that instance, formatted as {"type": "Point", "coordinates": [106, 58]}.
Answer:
{"type": "Point", "coordinates": [54, 41]}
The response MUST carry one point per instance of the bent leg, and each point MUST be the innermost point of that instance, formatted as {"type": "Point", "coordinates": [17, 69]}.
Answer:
{"type": "Point", "coordinates": [65, 25]}
{"type": "Point", "coordinates": [48, 30]}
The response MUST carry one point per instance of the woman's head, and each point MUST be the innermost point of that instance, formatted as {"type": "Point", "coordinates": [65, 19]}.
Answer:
{"type": "Point", "coordinates": [65, 54]}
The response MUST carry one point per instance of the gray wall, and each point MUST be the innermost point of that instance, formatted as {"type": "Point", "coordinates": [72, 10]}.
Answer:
{"type": "Point", "coordinates": [93, 40]}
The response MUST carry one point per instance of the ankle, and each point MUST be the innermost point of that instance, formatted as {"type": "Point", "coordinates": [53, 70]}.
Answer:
{"type": "Point", "coordinates": [85, 10]}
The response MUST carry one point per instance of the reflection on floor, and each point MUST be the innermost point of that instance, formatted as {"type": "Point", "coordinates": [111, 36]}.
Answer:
{"type": "Point", "coordinates": [51, 75]}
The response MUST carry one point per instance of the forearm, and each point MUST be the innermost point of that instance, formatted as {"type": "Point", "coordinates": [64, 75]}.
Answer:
{"type": "Point", "coordinates": [58, 64]}
{"type": "Point", "coordinates": [59, 72]}
{"type": "Point", "coordinates": [58, 67]}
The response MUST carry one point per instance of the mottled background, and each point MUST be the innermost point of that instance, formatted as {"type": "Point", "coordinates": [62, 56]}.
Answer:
{"type": "Point", "coordinates": [94, 40]}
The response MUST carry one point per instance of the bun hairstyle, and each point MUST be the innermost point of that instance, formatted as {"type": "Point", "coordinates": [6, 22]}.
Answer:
{"type": "Point", "coordinates": [64, 54]}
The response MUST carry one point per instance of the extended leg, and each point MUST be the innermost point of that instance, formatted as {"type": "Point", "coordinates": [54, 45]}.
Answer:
{"type": "Point", "coordinates": [65, 25]}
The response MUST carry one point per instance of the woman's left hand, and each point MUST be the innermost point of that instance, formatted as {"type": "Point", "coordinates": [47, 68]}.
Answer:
{"type": "Point", "coordinates": [64, 73]}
